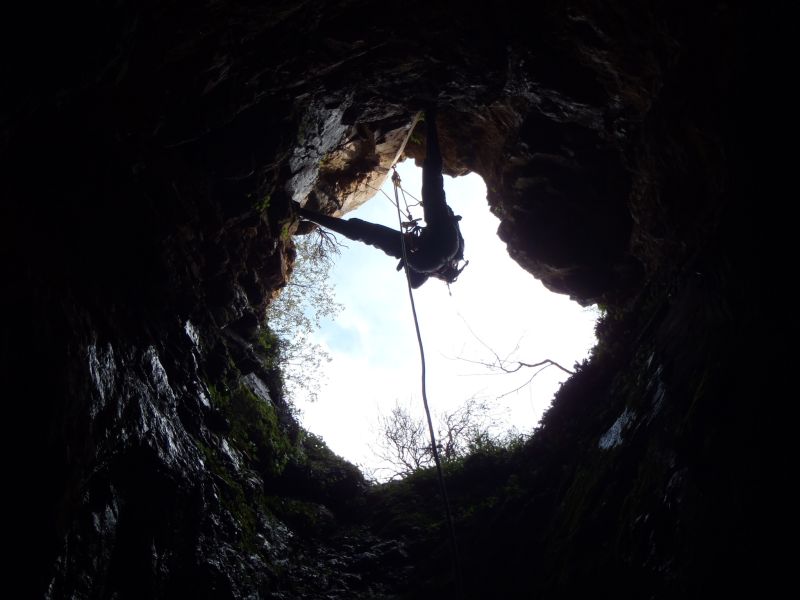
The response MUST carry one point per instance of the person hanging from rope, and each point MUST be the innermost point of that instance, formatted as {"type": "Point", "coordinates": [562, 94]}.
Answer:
{"type": "Point", "coordinates": [434, 250]}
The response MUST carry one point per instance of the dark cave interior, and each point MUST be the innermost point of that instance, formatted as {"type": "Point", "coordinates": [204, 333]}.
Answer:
{"type": "Point", "coordinates": [150, 153]}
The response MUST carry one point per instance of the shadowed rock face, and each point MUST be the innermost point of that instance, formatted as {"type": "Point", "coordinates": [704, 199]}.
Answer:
{"type": "Point", "coordinates": [149, 155]}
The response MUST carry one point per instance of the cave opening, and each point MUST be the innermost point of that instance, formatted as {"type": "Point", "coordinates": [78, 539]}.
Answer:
{"type": "Point", "coordinates": [495, 311]}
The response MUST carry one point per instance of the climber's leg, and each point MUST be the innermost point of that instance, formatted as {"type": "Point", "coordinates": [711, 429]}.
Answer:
{"type": "Point", "coordinates": [434, 203]}
{"type": "Point", "coordinates": [379, 236]}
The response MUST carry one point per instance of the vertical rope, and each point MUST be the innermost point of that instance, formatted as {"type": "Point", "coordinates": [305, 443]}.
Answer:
{"type": "Point", "coordinates": [443, 488]}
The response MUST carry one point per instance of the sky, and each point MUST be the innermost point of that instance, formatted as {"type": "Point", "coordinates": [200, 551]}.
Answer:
{"type": "Point", "coordinates": [495, 303]}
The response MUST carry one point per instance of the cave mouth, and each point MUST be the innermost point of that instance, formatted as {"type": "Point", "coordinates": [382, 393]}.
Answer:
{"type": "Point", "coordinates": [494, 307]}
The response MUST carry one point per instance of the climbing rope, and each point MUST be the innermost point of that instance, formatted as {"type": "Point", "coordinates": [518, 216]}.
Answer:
{"type": "Point", "coordinates": [404, 192]}
{"type": "Point", "coordinates": [408, 214]}
{"type": "Point", "coordinates": [434, 447]}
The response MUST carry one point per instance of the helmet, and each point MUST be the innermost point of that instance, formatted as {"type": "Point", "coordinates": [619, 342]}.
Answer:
{"type": "Point", "coordinates": [450, 272]}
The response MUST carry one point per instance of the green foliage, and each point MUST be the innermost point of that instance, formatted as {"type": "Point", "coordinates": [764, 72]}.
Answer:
{"type": "Point", "coordinates": [606, 330]}
{"type": "Point", "coordinates": [319, 482]}
{"type": "Point", "coordinates": [479, 482]}
{"type": "Point", "coordinates": [317, 474]}
{"type": "Point", "coordinates": [314, 452]}
{"type": "Point", "coordinates": [268, 345]}
{"type": "Point", "coordinates": [262, 205]}
{"type": "Point", "coordinates": [298, 312]}
{"type": "Point", "coordinates": [254, 428]}
{"type": "Point", "coordinates": [307, 480]}
{"type": "Point", "coordinates": [233, 498]}
{"type": "Point", "coordinates": [305, 517]}
{"type": "Point", "coordinates": [408, 505]}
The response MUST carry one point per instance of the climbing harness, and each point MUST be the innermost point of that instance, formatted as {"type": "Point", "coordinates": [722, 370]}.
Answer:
{"type": "Point", "coordinates": [434, 448]}
{"type": "Point", "coordinates": [412, 225]}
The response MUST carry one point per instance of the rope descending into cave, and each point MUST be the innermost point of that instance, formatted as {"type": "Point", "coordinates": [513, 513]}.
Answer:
{"type": "Point", "coordinates": [434, 447]}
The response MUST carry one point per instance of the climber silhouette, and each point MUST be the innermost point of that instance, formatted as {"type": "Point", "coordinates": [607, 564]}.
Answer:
{"type": "Point", "coordinates": [432, 251]}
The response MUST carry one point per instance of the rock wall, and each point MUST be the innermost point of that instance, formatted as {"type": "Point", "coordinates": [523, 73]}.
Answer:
{"type": "Point", "coordinates": [149, 155]}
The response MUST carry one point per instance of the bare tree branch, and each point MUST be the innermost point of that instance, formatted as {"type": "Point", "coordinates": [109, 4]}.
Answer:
{"type": "Point", "coordinates": [403, 442]}
{"type": "Point", "coordinates": [524, 384]}
{"type": "Point", "coordinates": [507, 365]}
